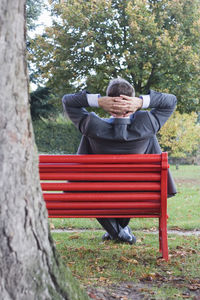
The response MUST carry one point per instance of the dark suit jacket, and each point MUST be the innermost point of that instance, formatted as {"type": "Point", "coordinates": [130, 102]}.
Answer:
{"type": "Point", "coordinates": [135, 135]}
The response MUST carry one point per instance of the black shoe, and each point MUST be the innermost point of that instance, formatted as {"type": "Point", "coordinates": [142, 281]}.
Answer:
{"type": "Point", "coordinates": [133, 236]}
{"type": "Point", "coordinates": [125, 235]}
{"type": "Point", "coordinates": [132, 240]}
{"type": "Point", "coordinates": [106, 237]}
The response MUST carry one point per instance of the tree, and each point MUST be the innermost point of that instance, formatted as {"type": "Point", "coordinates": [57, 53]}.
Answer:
{"type": "Point", "coordinates": [33, 11]}
{"type": "Point", "coordinates": [151, 43]}
{"type": "Point", "coordinates": [41, 106]}
{"type": "Point", "coordinates": [29, 265]}
{"type": "Point", "coordinates": [180, 136]}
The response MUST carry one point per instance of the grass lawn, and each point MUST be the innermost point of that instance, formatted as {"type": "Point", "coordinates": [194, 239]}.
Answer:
{"type": "Point", "coordinates": [106, 264]}
{"type": "Point", "coordinates": [183, 209]}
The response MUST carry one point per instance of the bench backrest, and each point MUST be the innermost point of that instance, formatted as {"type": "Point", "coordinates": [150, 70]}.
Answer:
{"type": "Point", "coordinates": [124, 185]}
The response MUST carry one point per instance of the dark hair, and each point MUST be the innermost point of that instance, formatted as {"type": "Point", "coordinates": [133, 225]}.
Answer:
{"type": "Point", "coordinates": [119, 86]}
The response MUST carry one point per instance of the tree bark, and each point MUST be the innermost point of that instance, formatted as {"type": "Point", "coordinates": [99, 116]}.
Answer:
{"type": "Point", "coordinates": [29, 265]}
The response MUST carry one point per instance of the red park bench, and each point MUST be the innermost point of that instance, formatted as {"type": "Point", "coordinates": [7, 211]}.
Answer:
{"type": "Point", "coordinates": [104, 186]}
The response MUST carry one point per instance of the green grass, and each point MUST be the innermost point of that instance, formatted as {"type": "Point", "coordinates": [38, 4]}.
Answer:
{"type": "Point", "coordinates": [183, 209]}
{"type": "Point", "coordinates": [97, 263]}
{"type": "Point", "coordinates": [186, 172]}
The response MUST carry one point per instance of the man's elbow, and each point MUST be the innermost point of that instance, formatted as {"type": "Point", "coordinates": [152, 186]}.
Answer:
{"type": "Point", "coordinates": [64, 100]}
{"type": "Point", "coordinates": [65, 103]}
{"type": "Point", "coordinates": [173, 99]}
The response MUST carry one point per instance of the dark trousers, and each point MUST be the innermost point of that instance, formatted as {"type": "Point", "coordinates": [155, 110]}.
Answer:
{"type": "Point", "coordinates": [113, 225]}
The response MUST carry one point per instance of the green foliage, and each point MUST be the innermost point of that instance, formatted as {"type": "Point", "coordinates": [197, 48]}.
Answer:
{"type": "Point", "coordinates": [152, 44]}
{"type": "Point", "coordinates": [33, 10]}
{"type": "Point", "coordinates": [41, 106]}
{"type": "Point", "coordinates": [56, 137]}
{"type": "Point", "coordinates": [180, 136]}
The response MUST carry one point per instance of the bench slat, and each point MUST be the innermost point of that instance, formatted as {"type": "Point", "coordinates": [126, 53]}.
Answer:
{"type": "Point", "coordinates": [119, 196]}
{"type": "Point", "coordinates": [100, 170]}
{"type": "Point", "coordinates": [102, 212]}
{"type": "Point", "coordinates": [48, 168]}
{"type": "Point", "coordinates": [101, 176]}
{"type": "Point", "coordinates": [102, 186]}
{"type": "Point", "coordinates": [99, 158]}
{"type": "Point", "coordinates": [102, 205]}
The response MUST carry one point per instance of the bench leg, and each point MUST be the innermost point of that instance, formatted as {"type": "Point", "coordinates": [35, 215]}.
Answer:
{"type": "Point", "coordinates": [160, 237]}
{"type": "Point", "coordinates": [163, 236]}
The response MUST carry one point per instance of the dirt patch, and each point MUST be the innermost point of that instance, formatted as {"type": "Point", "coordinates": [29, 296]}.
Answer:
{"type": "Point", "coordinates": [138, 291]}
{"type": "Point", "coordinates": [124, 291]}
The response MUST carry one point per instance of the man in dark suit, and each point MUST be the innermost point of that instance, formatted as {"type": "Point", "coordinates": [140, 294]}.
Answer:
{"type": "Point", "coordinates": [128, 130]}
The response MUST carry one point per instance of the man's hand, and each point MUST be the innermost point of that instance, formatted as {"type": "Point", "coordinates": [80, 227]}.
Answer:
{"type": "Point", "coordinates": [133, 104]}
{"type": "Point", "coordinates": [115, 106]}
{"type": "Point", "coordinates": [120, 107]}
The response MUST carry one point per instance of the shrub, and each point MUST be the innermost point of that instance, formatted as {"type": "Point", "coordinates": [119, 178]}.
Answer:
{"type": "Point", "coordinates": [180, 136]}
{"type": "Point", "coordinates": [56, 138]}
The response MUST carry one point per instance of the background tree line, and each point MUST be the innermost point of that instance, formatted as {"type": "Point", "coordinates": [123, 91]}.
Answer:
{"type": "Point", "coordinates": [151, 43]}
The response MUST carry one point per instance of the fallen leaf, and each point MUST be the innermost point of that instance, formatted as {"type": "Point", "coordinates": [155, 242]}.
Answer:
{"type": "Point", "coordinates": [93, 296]}
{"type": "Point", "coordinates": [151, 276]}
{"type": "Point", "coordinates": [193, 287]}
{"type": "Point", "coordinates": [70, 263]}
{"type": "Point", "coordinates": [132, 273]}
{"type": "Point", "coordinates": [52, 226]}
{"type": "Point", "coordinates": [102, 279]}
{"type": "Point", "coordinates": [129, 260]}
{"type": "Point", "coordinates": [74, 237]}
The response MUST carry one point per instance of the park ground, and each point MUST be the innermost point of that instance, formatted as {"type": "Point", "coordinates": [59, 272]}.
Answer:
{"type": "Point", "coordinates": [110, 270]}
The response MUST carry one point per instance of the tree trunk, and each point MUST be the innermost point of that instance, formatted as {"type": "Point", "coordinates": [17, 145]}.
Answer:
{"type": "Point", "coordinates": [29, 265]}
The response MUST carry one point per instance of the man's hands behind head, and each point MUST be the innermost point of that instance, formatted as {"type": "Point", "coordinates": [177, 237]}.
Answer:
{"type": "Point", "coordinates": [132, 104]}
{"type": "Point", "coordinates": [120, 107]}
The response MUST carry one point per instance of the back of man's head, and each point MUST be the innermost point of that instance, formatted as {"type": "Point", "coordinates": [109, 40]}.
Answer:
{"type": "Point", "coordinates": [120, 86]}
